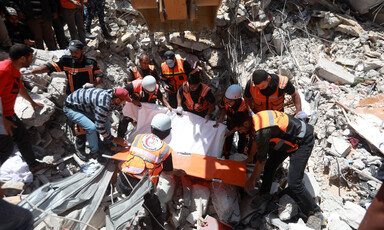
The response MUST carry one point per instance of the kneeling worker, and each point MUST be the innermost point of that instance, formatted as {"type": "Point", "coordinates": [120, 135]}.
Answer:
{"type": "Point", "coordinates": [149, 153]}
{"type": "Point", "coordinates": [271, 124]}
{"type": "Point", "coordinates": [195, 97]}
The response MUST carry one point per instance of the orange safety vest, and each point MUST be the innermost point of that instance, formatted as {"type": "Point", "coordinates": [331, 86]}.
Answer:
{"type": "Point", "coordinates": [231, 111]}
{"type": "Point", "coordinates": [174, 77]}
{"type": "Point", "coordinates": [139, 92]}
{"type": "Point", "coordinates": [280, 144]}
{"type": "Point", "coordinates": [271, 118]}
{"type": "Point", "coordinates": [136, 72]}
{"type": "Point", "coordinates": [273, 102]}
{"type": "Point", "coordinates": [201, 104]}
{"type": "Point", "coordinates": [79, 130]}
{"type": "Point", "coordinates": [147, 153]}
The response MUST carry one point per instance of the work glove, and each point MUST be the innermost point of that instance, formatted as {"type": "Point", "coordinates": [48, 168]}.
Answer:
{"type": "Point", "coordinates": [26, 72]}
{"type": "Point", "coordinates": [302, 115]}
{"type": "Point", "coordinates": [88, 85]}
{"type": "Point", "coordinates": [251, 114]}
{"type": "Point", "coordinates": [179, 110]}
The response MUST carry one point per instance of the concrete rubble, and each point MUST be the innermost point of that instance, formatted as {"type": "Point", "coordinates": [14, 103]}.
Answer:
{"type": "Point", "coordinates": [336, 59]}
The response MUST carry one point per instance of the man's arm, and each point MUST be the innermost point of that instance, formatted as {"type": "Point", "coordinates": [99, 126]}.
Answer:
{"type": "Point", "coordinates": [40, 70]}
{"type": "Point", "coordinates": [250, 184]}
{"type": "Point", "coordinates": [23, 92]}
{"type": "Point", "coordinates": [166, 104]}
{"type": "Point", "coordinates": [296, 100]}
{"type": "Point", "coordinates": [179, 97]}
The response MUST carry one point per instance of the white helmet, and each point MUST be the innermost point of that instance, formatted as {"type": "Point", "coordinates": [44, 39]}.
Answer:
{"type": "Point", "coordinates": [161, 122]}
{"type": "Point", "coordinates": [149, 83]}
{"type": "Point", "coordinates": [233, 92]}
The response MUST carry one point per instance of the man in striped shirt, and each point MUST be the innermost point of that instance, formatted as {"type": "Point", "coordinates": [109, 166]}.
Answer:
{"type": "Point", "coordinates": [90, 108]}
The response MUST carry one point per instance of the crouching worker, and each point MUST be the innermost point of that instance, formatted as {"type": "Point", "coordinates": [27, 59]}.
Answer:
{"type": "Point", "coordinates": [149, 153]}
{"type": "Point", "coordinates": [232, 103]}
{"type": "Point", "coordinates": [267, 125]}
{"type": "Point", "coordinates": [90, 108]}
{"type": "Point", "coordinates": [142, 90]}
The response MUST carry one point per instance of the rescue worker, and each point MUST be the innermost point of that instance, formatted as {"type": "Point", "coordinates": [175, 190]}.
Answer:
{"type": "Point", "coordinates": [20, 55]}
{"type": "Point", "coordinates": [142, 90]}
{"type": "Point", "coordinates": [96, 7]}
{"type": "Point", "coordinates": [90, 109]}
{"type": "Point", "coordinates": [269, 124]}
{"type": "Point", "coordinates": [266, 91]}
{"type": "Point", "coordinates": [149, 153]}
{"type": "Point", "coordinates": [231, 103]}
{"type": "Point", "coordinates": [174, 73]}
{"type": "Point", "coordinates": [195, 97]}
{"type": "Point", "coordinates": [82, 72]}
{"type": "Point", "coordinates": [144, 69]}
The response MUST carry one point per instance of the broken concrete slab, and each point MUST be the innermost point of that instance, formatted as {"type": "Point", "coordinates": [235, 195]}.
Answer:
{"type": "Point", "coordinates": [287, 208]}
{"type": "Point", "coordinates": [189, 41]}
{"type": "Point", "coordinates": [340, 146]}
{"type": "Point", "coordinates": [352, 214]}
{"type": "Point", "coordinates": [311, 184]}
{"type": "Point", "coordinates": [333, 72]}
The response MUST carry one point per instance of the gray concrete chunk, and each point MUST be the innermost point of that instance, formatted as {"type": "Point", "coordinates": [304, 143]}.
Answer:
{"type": "Point", "coordinates": [333, 72]}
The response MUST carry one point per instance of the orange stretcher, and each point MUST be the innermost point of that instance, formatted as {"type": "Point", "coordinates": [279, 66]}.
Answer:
{"type": "Point", "coordinates": [205, 167]}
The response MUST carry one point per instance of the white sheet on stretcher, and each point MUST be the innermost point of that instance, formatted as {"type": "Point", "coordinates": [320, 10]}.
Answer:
{"type": "Point", "coordinates": [189, 132]}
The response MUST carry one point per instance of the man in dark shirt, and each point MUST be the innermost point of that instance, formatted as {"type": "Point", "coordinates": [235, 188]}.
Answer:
{"type": "Point", "coordinates": [144, 69]}
{"type": "Point", "coordinates": [263, 127]}
{"type": "Point", "coordinates": [195, 97]}
{"type": "Point", "coordinates": [266, 91]}
{"type": "Point", "coordinates": [82, 72]}
{"type": "Point", "coordinates": [17, 31]}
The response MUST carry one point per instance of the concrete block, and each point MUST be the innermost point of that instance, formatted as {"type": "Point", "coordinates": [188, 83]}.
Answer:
{"type": "Point", "coordinates": [333, 72]}
{"type": "Point", "coordinates": [341, 146]}
{"type": "Point", "coordinates": [353, 214]}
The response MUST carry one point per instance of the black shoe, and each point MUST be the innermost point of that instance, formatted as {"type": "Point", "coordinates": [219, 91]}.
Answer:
{"type": "Point", "coordinates": [106, 34]}
{"type": "Point", "coordinates": [82, 155]}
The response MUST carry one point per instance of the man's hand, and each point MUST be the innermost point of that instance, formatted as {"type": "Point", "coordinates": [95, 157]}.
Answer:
{"type": "Point", "coordinates": [77, 4]}
{"type": "Point", "coordinates": [249, 159]}
{"type": "Point", "coordinates": [25, 72]}
{"type": "Point", "coordinates": [35, 105]}
{"type": "Point", "coordinates": [167, 88]}
{"type": "Point", "coordinates": [179, 110]}
{"type": "Point", "coordinates": [8, 125]}
{"type": "Point", "coordinates": [206, 119]}
{"type": "Point", "coordinates": [169, 108]}
{"type": "Point", "coordinates": [250, 184]}
{"type": "Point", "coordinates": [120, 141]}
{"type": "Point", "coordinates": [88, 85]}
{"type": "Point", "coordinates": [136, 102]}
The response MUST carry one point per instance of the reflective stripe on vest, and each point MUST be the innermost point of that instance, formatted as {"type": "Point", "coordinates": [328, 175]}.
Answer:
{"type": "Point", "coordinates": [271, 118]}
{"type": "Point", "coordinates": [272, 102]}
{"type": "Point", "coordinates": [139, 92]}
{"type": "Point", "coordinates": [146, 154]}
{"type": "Point", "coordinates": [79, 130]}
{"type": "Point", "coordinates": [136, 72]}
{"type": "Point", "coordinates": [279, 143]}
{"type": "Point", "coordinates": [174, 77]}
{"type": "Point", "coordinates": [201, 104]}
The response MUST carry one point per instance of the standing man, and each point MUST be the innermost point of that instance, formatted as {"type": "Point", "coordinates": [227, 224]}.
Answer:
{"type": "Point", "coordinates": [232, 103]}
{"type": "Point", "coordinates": [195, 97]}
{"type": "Point", "coordinates": [96, 7]}
{"type": "Point", "coordinates": [142, 90]}
{"type": "Point", "coordinates": [265, 126]}
{"type": "Point", "coordinates": [39, 15]}
{"type": "Point", "coordinates": [90, 108]}
{"type": "Point", "coordinates": [82, 72]}
{"type": "Point", "coordinates": [73, 13]}
{"type": "Point", "coordinates": [174, 73]}
{"type": "Point", "coordinates": [17, 31]}
{"type": "Point", "coordinates": [266, 91]}
{"type": "Point", "coordinates": [20, 55]}
{"type": "Point", "coordinates": [144, 69]}
{"type": "Point", "coordinates": [149, 153]}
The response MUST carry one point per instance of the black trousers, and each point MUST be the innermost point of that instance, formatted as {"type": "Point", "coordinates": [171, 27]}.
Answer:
{"type": "Point", "coordinates": [21, 138]}
{"type": "Point", "coordinates": [297, 163]}
{"type": "Point", "coordinates": [151, 201]}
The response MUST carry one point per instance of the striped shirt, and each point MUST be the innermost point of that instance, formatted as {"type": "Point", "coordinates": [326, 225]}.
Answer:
{"type": "Point", "coordinates": [95, 101]}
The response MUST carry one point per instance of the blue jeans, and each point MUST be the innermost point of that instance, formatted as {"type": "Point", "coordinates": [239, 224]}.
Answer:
{"type": "Point", "coordinates": [86, 121]}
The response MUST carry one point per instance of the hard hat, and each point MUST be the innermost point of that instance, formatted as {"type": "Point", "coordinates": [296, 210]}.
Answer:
{"type": "Point", "coordinates": [233, 92]}
{"type": "Point", "coordinates": [149, 83]}
{"type": "Point", "coordinates": [161, 122]}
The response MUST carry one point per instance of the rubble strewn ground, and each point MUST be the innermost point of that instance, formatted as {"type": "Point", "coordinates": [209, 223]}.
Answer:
{"type": "Point", "coordinates": [333, 58]}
